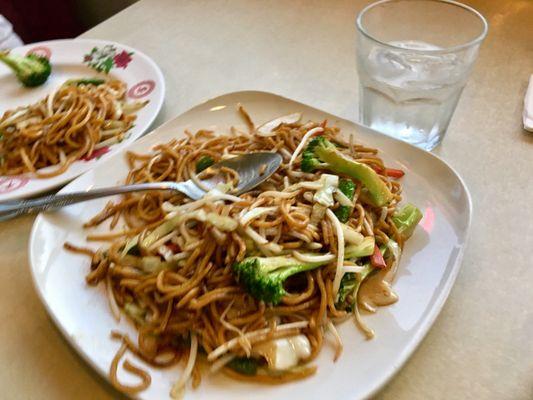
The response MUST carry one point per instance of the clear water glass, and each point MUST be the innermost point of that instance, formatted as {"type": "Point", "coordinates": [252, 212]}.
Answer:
{"type": "Point", "coordinates": [413, 60]}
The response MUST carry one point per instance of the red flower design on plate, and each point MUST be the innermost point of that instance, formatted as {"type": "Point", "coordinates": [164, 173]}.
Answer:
{"type": "Point", "coordinates": [9, 184]}
{"type": "Point", "coordinates": [141, 89]}
{"type": "Point", "coordinates": [122, 59]}
{"type": "Point", "coordinates": [41, 51]}
{"type": "Point", "coordinates": [87, 58]}
{"type": "Point", "coordinates": [96, 153]}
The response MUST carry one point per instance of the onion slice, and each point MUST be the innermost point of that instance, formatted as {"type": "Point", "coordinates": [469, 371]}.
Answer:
{"type": "Point", "coordinates": [307, 258]}
{"type": "Point", "coordinates": [256, 213]}
{"type": "Point", "coordinates": [268, 128]}
{"type": "Point", "coordinates": [340, 251]}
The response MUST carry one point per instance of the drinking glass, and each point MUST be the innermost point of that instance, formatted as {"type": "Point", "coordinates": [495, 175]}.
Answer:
{"type": "Point", "coordinates": [413, 61]}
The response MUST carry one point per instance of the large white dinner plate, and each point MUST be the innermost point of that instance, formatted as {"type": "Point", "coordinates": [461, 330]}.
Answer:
{"type": "Point", "coordinates": [78, 58]}
{"type": "Point", "coordinates": [428, 269]}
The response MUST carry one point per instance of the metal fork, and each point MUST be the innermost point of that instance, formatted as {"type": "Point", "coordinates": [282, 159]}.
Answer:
{"type": "Point", "coordinates": [253, 169]}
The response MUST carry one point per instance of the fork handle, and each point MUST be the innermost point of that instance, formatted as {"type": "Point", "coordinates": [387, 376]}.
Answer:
{"type": "Point", "coordinates": [10, 209]}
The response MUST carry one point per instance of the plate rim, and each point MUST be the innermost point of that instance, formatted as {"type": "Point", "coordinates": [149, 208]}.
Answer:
{"type": "Point", "coordinates": [415, 340]}
{"type": "Point", "coordinates": [121, 146]}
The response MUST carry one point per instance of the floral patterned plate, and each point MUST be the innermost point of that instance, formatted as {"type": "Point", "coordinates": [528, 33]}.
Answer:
{"type": "Point", "coordinates": [78, 58]}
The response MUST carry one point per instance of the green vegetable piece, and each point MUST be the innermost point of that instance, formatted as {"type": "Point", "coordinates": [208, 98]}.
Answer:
{"type": "Point", "coordinates": [347, 187]}
{"type": "Point", "coordinates": [343, 213]}
{"type": "Point", "coordinates": [349, 288]}
{"type": "Point", "coordinates": [135, 312]}
{"type": "Point", "coordinates": [134, 250]}
{"type": "Point", "coordinates": [147, 264]}
{"type": "Point", "coordinates": [221, 222]}
{"type": "Point", "coordinates": [348, 284]}
{"type": "Point", "coordinates": [85, 81]}
{"type": "Point", "coordinates": [244, 366]}
{"type": "Point", "coordinates": [263, 277]}
{"type": "Point", "coordinates": [31, 70]}
{"type": "Point", "coordinates": [153, 264]}
{"type": "Point", "coordinates": [164, 229]}
{"type": "Point", "coordinates": [132, 246]}
{"type": "Point", "coordinates": [204, 163]}
{"type": "Point", "coordinates": [321, 153]}
{"type": "Point", "coordinates": [363, 249]}
{"type": "Point", "coordinates": [406, 219]}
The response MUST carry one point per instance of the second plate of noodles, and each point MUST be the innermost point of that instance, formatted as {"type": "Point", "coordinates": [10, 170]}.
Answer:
{"type": "Point", "coordinates": [99, 97]}
{"type": "Point", "coordinates": [80, 119]}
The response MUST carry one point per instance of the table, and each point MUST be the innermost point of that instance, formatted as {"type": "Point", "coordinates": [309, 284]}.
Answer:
{"type": "Point", "coordinates": [481, 346]}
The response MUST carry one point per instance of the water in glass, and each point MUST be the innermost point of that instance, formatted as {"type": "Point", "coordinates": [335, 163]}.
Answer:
{"type": "Point", "coordinates": [409, 94]}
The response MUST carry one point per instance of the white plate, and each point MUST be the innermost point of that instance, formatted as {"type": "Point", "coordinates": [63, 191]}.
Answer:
{"type": "Point", "coordinates": [75, 59]}
{"type": "Point", "coordinates": [428, 269]}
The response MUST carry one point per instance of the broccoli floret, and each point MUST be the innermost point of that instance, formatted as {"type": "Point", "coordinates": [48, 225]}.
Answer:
{"type": "Point", "coordinates": [321, 153]}
{"type": "Point", "coordinates": [343, 213]}
{"type": "Point", "coordinates": [310, 161]}
{"type": "Point", "coordinates": [406, 219]}
{"type": "Point", "coordinates": [347, 187]}
{"type": "Point", "coordinates": [204, 163]}
{"type": "Point", "coordinates": [244, 366]}
{"type": "Point", "coordinates": [263, 277]}
{"type": "Point", "coordinates": [349, 288]}
{"type": "Point", "coordinates": [351, 282]}
{"type": "Point", "coordinates": [31, 70]}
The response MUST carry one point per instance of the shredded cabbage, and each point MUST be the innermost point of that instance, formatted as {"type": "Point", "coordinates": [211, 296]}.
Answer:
{"type": "Point", "coordinates": [324, 196]}
{"type": "Point", "coordinates": [351, 235]}
{"type": "Point", "coordinates": [317, 214]}
{"type": "Point", "coordinates": [226, 224]}
{"type": "Point", "coordinates": [256, 213]}
{"type": "Point", "coordinates": [135, 312]}
{"type": "Point", "coordinates": [267, 128]}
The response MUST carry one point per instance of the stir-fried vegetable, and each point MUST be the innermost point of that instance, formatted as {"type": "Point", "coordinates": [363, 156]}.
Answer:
{"type": "Point", "coordinates": [244, 365]}
{"type": "Point", "coordinates": [376, 259]}
{"type": "Point", "coordinates": [324, 195]}
{"type": "Point", "coordinates": [31, 70]}
{"type": "Point", "coordinates": [135, 312]}
{"type": "Point", "coordinates": [363, 249]}
{"type": "Point", "coordinates": [347, 188]}
{"type": "Point", "coordinates": [349, 289]}
{"type": "Point", "coordinates": [321, 153]}
{"type": "Point", "coordinates": [394, 173]}
{"type": "Point", "coordinates": [406, 219]}
{"type": "Point", "coordinates": [351, 236]}
{"type": "Point", "coordinates": [204, 163]}
{"type": "Point", "coordinates": [85, 81]}
{"type": "Point", "coordinates": [263, 277]}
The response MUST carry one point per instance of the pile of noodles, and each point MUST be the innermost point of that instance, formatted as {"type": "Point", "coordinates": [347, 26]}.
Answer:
{"type": "Point", "coordinates": [198, 307]}
{"type": "Point", "coordinates": [69, 124]}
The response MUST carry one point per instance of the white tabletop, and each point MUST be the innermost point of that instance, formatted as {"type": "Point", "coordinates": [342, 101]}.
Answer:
{"type": "Point", "coordinates": [481, 346]}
